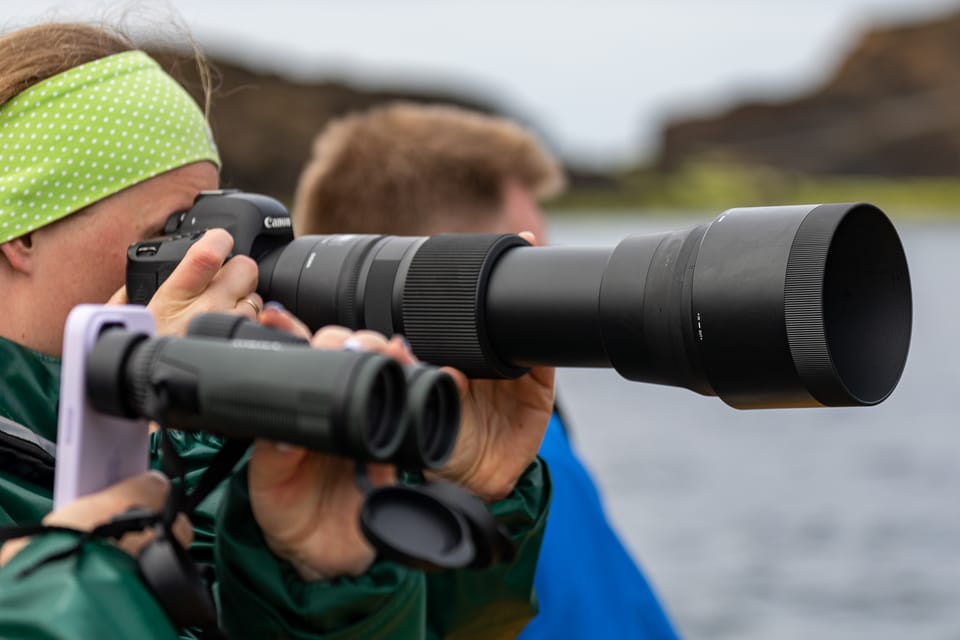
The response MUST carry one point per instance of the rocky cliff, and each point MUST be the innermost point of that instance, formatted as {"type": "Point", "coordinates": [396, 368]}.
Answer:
{"type": "Point", "coordinates": [265, 124]}
{"type": "Point", "coordinates": [892, 108]}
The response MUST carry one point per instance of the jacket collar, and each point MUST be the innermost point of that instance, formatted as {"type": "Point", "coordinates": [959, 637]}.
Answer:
{"type": "Point", "coordinates": [29, 388]}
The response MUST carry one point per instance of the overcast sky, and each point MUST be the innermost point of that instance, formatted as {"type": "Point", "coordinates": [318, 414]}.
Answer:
{"type": "Point", "coordinates": [598, 78]}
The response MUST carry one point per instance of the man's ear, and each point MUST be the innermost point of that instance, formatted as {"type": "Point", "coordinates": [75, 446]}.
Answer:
{"type": "Point", "coordinates": [19, 253]}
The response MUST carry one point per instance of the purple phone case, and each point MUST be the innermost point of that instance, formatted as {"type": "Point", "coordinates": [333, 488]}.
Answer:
{"type": "Point", "coordinates": [95, 450]}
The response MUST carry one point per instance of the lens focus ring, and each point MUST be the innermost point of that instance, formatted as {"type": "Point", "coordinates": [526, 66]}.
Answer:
{"type": "Point", "coordinates": [443, 302]}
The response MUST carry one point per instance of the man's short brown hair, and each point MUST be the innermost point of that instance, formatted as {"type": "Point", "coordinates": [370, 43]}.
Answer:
{"type": "Point", "coordinates": [401, 168]}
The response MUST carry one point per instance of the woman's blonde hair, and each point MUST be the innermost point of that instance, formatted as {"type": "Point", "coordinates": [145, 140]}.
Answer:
{"type": "Point", "coordinates": [33, 54]}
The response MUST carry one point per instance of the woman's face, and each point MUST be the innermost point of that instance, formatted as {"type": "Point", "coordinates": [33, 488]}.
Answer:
{"type": "Point", "coordinates": [82, 258]}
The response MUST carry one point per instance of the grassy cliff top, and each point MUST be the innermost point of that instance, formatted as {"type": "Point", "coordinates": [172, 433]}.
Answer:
{"type": "Point", "coordinates": [707, 186]}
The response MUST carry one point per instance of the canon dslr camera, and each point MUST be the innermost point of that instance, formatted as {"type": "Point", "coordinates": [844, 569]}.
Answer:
{"type": "Point", "coordinates": [783, 306]}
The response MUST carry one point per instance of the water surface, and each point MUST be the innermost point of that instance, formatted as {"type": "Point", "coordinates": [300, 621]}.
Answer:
{"type": "Point", "coordinates": [790, 524]}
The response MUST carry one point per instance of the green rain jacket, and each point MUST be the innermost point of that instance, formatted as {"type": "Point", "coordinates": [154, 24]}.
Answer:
{"type": "Point", "coordinates": [98, 594]}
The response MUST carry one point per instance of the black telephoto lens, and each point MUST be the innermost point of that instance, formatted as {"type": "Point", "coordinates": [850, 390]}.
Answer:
{"type": "Point", "coordinates": [786, 306]}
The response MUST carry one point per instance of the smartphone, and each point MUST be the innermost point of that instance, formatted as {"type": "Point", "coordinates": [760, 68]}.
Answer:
{"type": "Point", "coordinates": [95, 450]}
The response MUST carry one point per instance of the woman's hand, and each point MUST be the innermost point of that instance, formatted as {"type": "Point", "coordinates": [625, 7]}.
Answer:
{"type": "Point", "coordinates": [202, 283]}
{"type": "Point", "coordinates": [148, 490]}
{"type": "Point", "coordinates": [501, 429]}
{"type": "Point", "coordinates": [306, 503]}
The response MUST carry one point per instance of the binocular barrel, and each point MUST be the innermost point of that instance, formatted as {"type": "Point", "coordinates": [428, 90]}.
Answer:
{"type": "Point", "coordinates": [431, 419]}
{"type": "Point", "coordinates": [339, 402]}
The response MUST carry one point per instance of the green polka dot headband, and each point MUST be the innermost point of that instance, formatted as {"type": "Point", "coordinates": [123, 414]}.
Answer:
{"type": "Point", "coordinates": [90, 132]}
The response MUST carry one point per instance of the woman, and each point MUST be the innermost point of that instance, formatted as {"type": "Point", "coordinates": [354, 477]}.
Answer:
{"type": "Point", "coordinates": [99, 147]}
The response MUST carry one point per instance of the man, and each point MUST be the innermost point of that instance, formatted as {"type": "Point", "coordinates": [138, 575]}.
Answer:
{"type": "Point", "coordinates": [408, 169]}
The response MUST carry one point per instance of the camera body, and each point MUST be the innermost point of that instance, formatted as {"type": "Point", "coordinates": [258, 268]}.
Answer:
{"type": "Point", "coordinates": [258, 224]}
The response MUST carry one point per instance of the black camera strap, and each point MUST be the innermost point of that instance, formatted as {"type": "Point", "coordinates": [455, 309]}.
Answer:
{"type": "Point", "coordinates": [26, 454]}
{"type": "Point", "coordinates": [133, 520]}
{"type": "Point", "coordinates": [216, 472]}
{"type": "Point", "coordinates": [166, 568]}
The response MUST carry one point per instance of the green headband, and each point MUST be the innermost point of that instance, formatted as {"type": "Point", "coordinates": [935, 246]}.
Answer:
{"type": "Point", "coordinates": [90, 132]}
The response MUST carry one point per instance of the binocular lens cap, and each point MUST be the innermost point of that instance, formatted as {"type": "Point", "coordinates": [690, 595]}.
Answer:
{"type": "Point", "coordinates": [413, 528]}
{"type": "Point", "coordinates": [437, 525]}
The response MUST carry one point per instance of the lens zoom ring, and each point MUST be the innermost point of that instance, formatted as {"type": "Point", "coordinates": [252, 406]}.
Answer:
{"type": "Point", "coordinates": [443, 301]}
{"type": "Point", "coordinates": [803, 305]}
{"type": "Point", "coordinates": [440, 306]}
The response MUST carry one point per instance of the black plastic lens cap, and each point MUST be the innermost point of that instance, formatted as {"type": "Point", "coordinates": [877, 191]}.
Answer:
{"type": "Point", "coordinates": [415, 529]}
{"type": "Point", "coordinates": [491, 539]}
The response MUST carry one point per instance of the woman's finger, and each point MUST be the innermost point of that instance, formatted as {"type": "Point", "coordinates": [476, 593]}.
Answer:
{"type": "Point", "coordinates": [250, 306]}
{"type": "Point", "coordinates": [330, 337]}
{"type": "Point", "coordinates": [398, 349]}
{"type": "Point", "coordinates": [277, 317]}
{"type": "Point", "coordinates": [234, 282]}
{"type": "Point", "coordinates": [119, 297]}
{"type": "Point", "coordinates": [529, 237]}
{"type": "Point", "coordinates": [199, 265]}
{"type": "Point", "coordinates": [365, 340]}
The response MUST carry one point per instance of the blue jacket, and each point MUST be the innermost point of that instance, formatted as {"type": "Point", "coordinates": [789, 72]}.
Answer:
{"type": "Point", "coordinates": [587, 583]}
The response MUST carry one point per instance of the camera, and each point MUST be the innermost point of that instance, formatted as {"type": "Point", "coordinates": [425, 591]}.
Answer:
{"type": "Point", "coordinates": [780, 306]}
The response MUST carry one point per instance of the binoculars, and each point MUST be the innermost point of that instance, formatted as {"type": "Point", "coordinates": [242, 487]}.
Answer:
{"type": "Point", "coordinates": [235, 378]}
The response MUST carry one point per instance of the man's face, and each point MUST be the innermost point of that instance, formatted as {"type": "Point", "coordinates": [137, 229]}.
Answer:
{"type": "Point", "coordinates": [82, 258]}
{"type": "Point", "coordinates": [520, 212]}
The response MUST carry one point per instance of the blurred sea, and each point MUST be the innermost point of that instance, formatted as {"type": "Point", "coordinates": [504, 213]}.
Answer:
{"type": "Point", "coordinates": [789, 524]}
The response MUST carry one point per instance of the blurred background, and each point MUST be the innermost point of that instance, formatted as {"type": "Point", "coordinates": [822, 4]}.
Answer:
{"type": "Point", "coordinates": [773, 525]}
